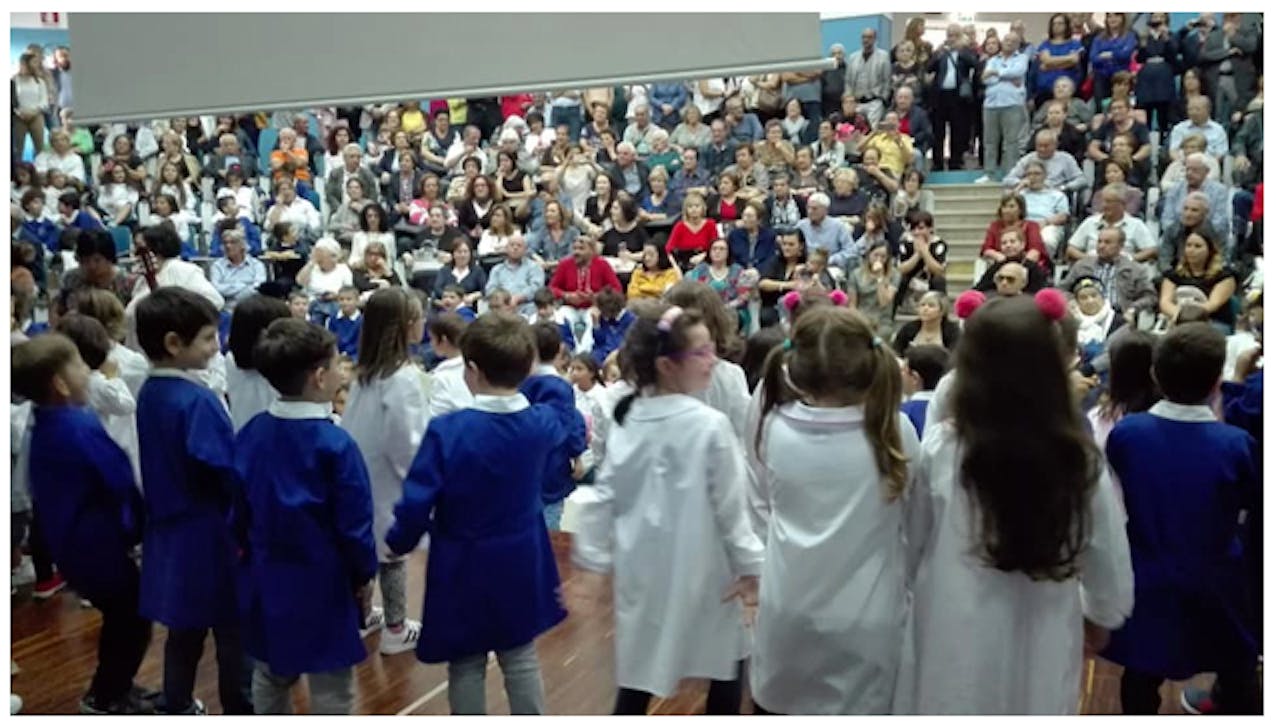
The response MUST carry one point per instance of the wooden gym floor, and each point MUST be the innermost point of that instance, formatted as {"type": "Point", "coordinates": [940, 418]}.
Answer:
{"type": "Point", "coordinates": [55, 646]}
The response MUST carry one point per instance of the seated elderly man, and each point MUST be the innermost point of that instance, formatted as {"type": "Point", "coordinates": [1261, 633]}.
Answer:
{"type": "Point", "coordinates": [1198, 122]}
{"type": "Point", "coordinates": [1126, 284]}
{"type": "Point", "coordinates": [1085, 240]}
{"type": "Point", "coordinates": [1196, 179]}
{"type": "Point", "coordinates": [628, 173]}
{"type": "Point", "coordinates": [1194, 217]}
{"type": "Point", "coordinates": [1047, 207]}
{"type": "Point", "coordinates": [227, 154]}
{"type": "Point", "coordinates": [468, 145]}
{"type": "Point", "coordinates": [831, 235]}
{"type": "Point", "coordinates": [352, 168]}
{"type": "Point", "coordinates": [1011, 279]}
{"type": "Point", "coordinates": [1062, 171]}
{"type": "Point", "coordinates": [640, 131]}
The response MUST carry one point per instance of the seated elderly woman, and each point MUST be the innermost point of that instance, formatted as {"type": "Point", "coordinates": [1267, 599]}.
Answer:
{"type": "Point", "coordinates": [1201, 266]}
{"type": "Point", "coordinates": [323, 277]}
{"type": "Point", "coordinates": [847, 202]}
{"type": "Point", "coordinates": [1098, 320]}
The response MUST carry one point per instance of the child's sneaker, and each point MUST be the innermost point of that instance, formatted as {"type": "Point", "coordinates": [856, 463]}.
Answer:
{"type": "Point", "coordinates": [393, 643]}
{"type": "Point", "coordinates": [374, 622]}
{"type": "Point", "coordinates": [1198, 701]}
{"type": "Point", "coordinates": [15, 704]}
{"type": "Point", "coordinates": [50, 587]}
{"type": "Point", "coordinates": [24, 574]}
{"type": "Point", "coordinates": [86, 604]}
{"type": "Point", "coordinates": [127, 706]}
{"type": "Point", "coordinates": [195, 709]}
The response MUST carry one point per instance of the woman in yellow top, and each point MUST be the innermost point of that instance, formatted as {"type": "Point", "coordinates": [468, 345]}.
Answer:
{"type": "Point", "coordinates": [655, 275]}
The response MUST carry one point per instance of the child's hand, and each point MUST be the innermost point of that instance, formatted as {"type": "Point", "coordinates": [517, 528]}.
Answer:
{"type": "Point", "coordinates": [109, 368]}
{"type": "Point", "coordinates": [1247, 363]}
{"type": "Point", "coordinates": [1096, 639]}
{"type": "Point", "coordinates": [745, 588]}
{"type": "Point", "coordinates": [578, 469]}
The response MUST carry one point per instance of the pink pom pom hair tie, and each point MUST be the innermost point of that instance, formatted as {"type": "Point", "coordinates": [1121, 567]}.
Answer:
{"type": "Point", "coordinates": [791, 300]}
{"type": "Point", "coordinates": [1051, 303]}
{"type": "Point", "coordinates": [967, 303]}
{"type": "Point", "coordinates": [838, 298]}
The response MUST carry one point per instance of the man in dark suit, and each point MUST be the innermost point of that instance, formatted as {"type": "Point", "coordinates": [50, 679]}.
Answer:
{"type": "Point", "coordinates": [951, 88]}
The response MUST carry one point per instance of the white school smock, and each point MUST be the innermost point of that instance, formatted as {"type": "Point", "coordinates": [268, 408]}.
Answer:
{"type": "Point", "coordinates": [982, 641]}
{"type": "Point", "coordinates": [832, 604]}
{"type": "Point", "coordinates": [133, 367]}
{"type": "Point", "coordinates": [116, 407]}
{"type": "Point", "coordinates": [448, 391]}
{"type": "Point", "coordinates": [728, 392]}
{"type": "Point", "coordinates": [937, 410]}
{"type": "Point", "coordinates": [248, 393]}
{"type": "Point", "coordinates": [668, 514]}
{"type": "Point", "coordinates": [387, 419]}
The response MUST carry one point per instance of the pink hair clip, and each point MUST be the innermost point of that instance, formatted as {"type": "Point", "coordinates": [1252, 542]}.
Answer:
{"type": "Point", "coordinates": [791, 300]}
{"type": "Point", "coordinates": [967, 303]}
{"type": "Point", "coordinates": [666, 320]}
{"type": "Point", "coordinates": [838, 298]}
{"type": "Point", "coordinates": [1051, 303]}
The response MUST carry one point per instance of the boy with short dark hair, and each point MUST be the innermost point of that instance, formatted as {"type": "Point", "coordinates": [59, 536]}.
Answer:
{"type": "Point", "coordinates": [89, 511]}
{"type": "Point", "coordinates": [186, 443]}
{"type": "Point", "coordinates": [298, 304]}
{"type": "Point", "coordinates": [547, 385]}
{"type": "Point", "coordinates": [451, 299]}
{"type": "Point", "coordinates": [1190, 483]}
{"type": "Point", "coordinates": [483, 513]}
{"type": "Point", "coordinates": [543, 299]}
{"type": "Point", "coordinates": [613, 322]}
{"type": "Point", "coordinates": [348, 322]}
{"type": "Point", "coordinates": [924, 365]}
{"type": "Point", "coordinates": [448, 391]}
{"type": "Point", "coordinates": [317, 558]}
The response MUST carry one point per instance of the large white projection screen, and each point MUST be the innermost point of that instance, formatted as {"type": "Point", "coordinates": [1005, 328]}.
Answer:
{"type": "Point", "coordinates": [234, 62]}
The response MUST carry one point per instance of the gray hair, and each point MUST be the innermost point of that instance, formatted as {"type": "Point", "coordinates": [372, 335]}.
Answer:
{"type": "Point", "coordinates": [351, 148]}
{"type": "Point", "coordinates": [1196, 159]}
{"type": "Point", "coordinates": [626, 146]}
{"type": "Point", "coordinates": [819, 199]}
{"type": "Point", "coordinates": [233, 235]}
{"type": "Point", "coordinates": [1198, 196]}
{"type": "Point", "coordinates": [328, 244]}
{"type": "Point", "coordinates": [1115, 190]}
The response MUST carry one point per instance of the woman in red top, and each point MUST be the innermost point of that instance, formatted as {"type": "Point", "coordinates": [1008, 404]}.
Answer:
{"type": "Point", "coordinates": [1011, 215]}
{"type": "Point", "coordinates": [691, 236]}
{"type": "Point", "coordinates": [725, 206]}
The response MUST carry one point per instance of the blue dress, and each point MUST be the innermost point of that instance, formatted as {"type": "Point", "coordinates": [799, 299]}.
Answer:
{"type": "Point", "coordinates": [1185, 484]}
{"type": "Point", "coordinates": [491, 582]}
{"type": "Point", "coordinates": [308, 517]}
{"type": "Point", "coordinates": [186, 443]}
{"type": "Point", "coordinates": [85, 499]}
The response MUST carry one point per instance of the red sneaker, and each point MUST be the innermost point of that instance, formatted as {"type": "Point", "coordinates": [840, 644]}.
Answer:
{"type": "Point", "coordinates": [50, 587]}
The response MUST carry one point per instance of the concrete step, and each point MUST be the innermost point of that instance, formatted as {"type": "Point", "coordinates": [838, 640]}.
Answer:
{"type": "Point", "coordinates": [986, 206]}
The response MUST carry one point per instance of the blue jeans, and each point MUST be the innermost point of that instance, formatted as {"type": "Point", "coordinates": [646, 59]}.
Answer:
{"type": "Point", "coordinates": [569, 115]}
{"type": "Point", "coordinates": [554, 516]}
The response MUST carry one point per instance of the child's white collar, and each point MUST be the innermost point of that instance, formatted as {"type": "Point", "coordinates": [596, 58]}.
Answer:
{"type": "Point", "coordinates": [545, 369]}
{"type": "Point", "coordinates": [299, 410]}
{"type": "Point", "coordinates": [356, 316]}
{"type": "Point", "coordinates": [500, 404]}
{"type": "Point", "coordinates": [176, 373]}
{"type": "Point", "coordinates": [922, 396]}
{"type": "Point", "coordinates": [1198, 413]}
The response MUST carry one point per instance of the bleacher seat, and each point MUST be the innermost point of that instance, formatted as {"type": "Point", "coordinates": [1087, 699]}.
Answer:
{"type": "Point", "coordinates": [123, 237]}
{"type": "Point", "coordinates": [266, 143]}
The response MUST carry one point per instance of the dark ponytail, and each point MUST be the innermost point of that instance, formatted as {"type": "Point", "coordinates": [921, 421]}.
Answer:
{"type": "Point", "coordinates": [644, 344]}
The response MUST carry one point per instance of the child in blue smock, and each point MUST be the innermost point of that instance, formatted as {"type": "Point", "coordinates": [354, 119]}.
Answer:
{"type": "Point", "coordinates": [89, 511]}
{"type": "Point", "coordinates": [348, 322]}
{"type": "Point", "coordinates": [308, 519]}
{"type": "Point", "coordinates": [491, 581]}
{"type": "Point", "coordinates": [924, 365]}
{"type": "Point", "coordinates": [1190, 484]}
{"type": "Point", "coordinates": [546, 385]}
{"type": "Point", "coordinates": [186, 444]}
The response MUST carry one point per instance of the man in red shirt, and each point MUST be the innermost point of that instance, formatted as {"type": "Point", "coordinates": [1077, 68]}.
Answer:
{"type": "Point", "coordinates": [576, 281]}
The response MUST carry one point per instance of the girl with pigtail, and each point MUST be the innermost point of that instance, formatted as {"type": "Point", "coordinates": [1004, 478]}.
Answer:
{"type": "Point", "coordinates": [667, 513]}
{"type": "Point", "coordinates": [1024, 559]}
{"type": "Point", "coordinates": [829, 495]}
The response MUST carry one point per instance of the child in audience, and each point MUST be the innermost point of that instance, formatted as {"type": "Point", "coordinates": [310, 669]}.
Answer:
{"type": "Point", "coordinates": [677, 575]}
{"type": "Point", "coordinates": [339, 402]}
{"type": "Point", "coordinates": [499, 301]}
{"type": "Point", "coordinates": [248, 392]}
{"type": "Point", "coordinates": [1131, 387]}
{"type": "Point", "coordinates": [924, 365]}
{"type": "Point", "coordinates": [491, 581]}
{"type": "Point", "coordinates": [613, 321]}
{"type": "Point", "coordinates": [451, 301]}
{"type": "Point", "coordinates": [546, 385]}
{"type": "Point", "coordinates": [186, 445]}
{"type": "Point", "coordinates": [109, 396]}
{"type": "Point", "coordinates": [543, 299]}
{"type": "Point", "coordinates": [298, 304]}
{"type": "Point", "coordinates": [348, 321]}
{"type": "Point", "coordinates": [1248, 335]}
{"type": "Point", "coordinates": [448, 391]}
{"type": "Point", "coordinates": [1189, 483]}
{"type": "Point", "coordinates": [308, 526]}
{"type": "Point", "coordinates": [586, 377]}
{"type": "Point", "coordinates": [386, 415]}
{"type": "Point", "coordinates": [1014, 249]}
{"type": "Point", "coordinates": [89, 510]}
{"type": "Point", "coordinates": [1014, 507]}
{"type": "Point", "coordinates": [728, 389]}
{"type": "Point", "coordinates": [756, 350]}
{"type": "Point", "coordinates": [832, 604]}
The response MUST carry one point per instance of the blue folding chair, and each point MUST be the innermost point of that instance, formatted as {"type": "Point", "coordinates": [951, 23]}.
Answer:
{"type": "Point", "coordinates": [123, 237]}
{"type": "Point", "coordinates": [266, 143]}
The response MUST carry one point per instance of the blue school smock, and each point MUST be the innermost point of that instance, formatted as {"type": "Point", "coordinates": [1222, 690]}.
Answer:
{"type": "Point", "coordinates": [547, 387]}
{"type": "Point", "coordinates": [608, 335]}
{"type": "Point", "coordinates": [915, 410]}
{"type": "Point", "coordinates": [347, 332]}
{"type": "Point", "coordinates": [189, 554]}
{"type": "Point", "coordinates": [491, 581]}
{"type": "Point", "coordinates": [1185, 478]}
{"type": "Point", "coordinates": [308, 507]}
{"type": "Point", "coordinates": [85, 500]}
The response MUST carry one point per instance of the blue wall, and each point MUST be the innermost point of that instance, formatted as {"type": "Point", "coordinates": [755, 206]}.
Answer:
{"type": "Point", "coordinates": [20, 38]}
{"type": "Point", "coordinates": [847, 32]}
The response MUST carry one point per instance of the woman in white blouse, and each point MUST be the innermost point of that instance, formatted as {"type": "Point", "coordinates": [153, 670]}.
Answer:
{"type": "Point", "coordinates": [61, 155]}
{"type": "Point", "coordinates": [710, 93]}
{"type": "Point", "coordinates": [31, 92]}
{"type": "Point", "coordinates": [498, 232]}
{"type": "Point", "coordinates": [372, 228]}
{"type": "Point", "coordinates": [117, 198]}
{"type": "Point", "coordinates": [323, 277]}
